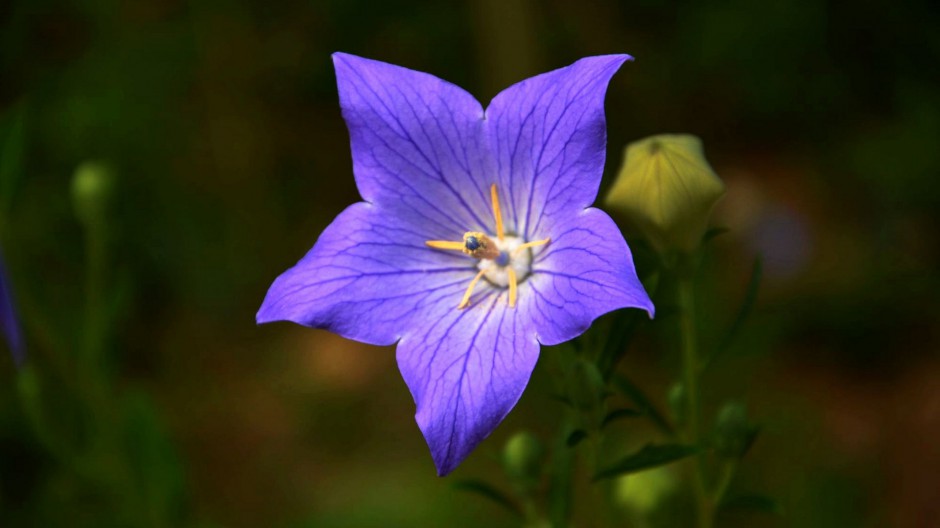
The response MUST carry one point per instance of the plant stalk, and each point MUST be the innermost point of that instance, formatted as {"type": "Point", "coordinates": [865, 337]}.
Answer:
{"type": "Point", "coordinates": [690, 371]}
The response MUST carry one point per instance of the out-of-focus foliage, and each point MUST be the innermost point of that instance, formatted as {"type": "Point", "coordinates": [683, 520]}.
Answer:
{"type": "Point", "coordinates": [150, 398]}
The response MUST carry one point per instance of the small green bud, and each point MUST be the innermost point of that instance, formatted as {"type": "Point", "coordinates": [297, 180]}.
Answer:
{"type": "Point", "coordinates": [733, 434]}
{"type": "Point", "coordinates": [641, 493]}
{"type": "Point", "coordinates": [667, 189]}
{"type": "Point", "coordinates": [677, 402]}
{"type": "Point", "coordinates": [586, 385]}
{"type": "Point", "coordinates": [92, 185]}
{"type": "Point", "coordinates": [522, 456]}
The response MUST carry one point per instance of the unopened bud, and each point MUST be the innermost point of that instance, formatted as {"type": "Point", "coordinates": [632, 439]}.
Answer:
{"type": "Point", "coordinates": [586, 385]}
{"type": "Point", "coordinates": [667, 190]}
{"type": "Point", "coordinates": [642, 493]}
{"type": "Point", "coordinates": [677, 402]}
{"type": "Point", "coordinates": [92, 185]}
{"type": "Point", "coordinates": [733, 434]}
{"type": "Point", "coordinates": [522, 456]}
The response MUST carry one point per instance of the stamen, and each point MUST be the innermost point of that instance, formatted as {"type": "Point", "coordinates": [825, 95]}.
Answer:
{"type": "Point", "coordinates": [528, 245]}
{"type": "Point", "coordinates": [445, 244]}
{"type": "Point", "coordinates": [494, 196]}
{"type": "Point", "coordinates": [513, 287]}
{"type": "Point", "coordinates": [466, 296]}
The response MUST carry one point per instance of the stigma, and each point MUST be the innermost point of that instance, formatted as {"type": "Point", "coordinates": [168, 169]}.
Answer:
{"type": "Point", "coordinates": [504, 262]}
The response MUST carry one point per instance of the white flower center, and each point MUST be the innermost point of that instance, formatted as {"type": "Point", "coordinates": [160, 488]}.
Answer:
{"type": "Point", "coordinates": [496, 270]}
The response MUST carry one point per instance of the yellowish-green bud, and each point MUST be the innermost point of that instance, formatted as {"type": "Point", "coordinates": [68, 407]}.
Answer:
{"type": "Point", "coordinates": [522, 456]}
{"type": "Point", "coordinates": [641, 493]}
{"type": "Point", "coordinates": [92, 184]}
{"type": "Point", "coordinates": [667, 190]}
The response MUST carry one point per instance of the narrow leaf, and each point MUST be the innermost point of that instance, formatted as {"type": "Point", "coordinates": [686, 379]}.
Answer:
{"type": "Point", "coordinates": [12, 145]}
{"type": "Point", "coordinates": [576, 437]}
{"type": "Point", "coordinates": [623, 327]}
{"type": "Point", "coordinates": [486, 490]}
{"type": "Point", "coordinates": [714, 232]}
{"type": "Point", "coordinates": [631, 391]}
{"type": "Point", "coordinates": [560, 480]}
{"type": "Point", "coordinates": [753, 502]}
{"type": "Point", "coordinates": [620, 414]}
{"type": "Point", "coordinates": [747, 306]}
{"type": "Point", "coordinates": [649, 457]}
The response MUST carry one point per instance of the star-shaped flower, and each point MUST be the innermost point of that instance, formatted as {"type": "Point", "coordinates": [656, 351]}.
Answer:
{"type": "Point", "coordinates": [476, 241]}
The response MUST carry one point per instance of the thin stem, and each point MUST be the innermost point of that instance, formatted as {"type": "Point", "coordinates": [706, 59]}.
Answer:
{"type": "Point", "coordinates": [690, 371]}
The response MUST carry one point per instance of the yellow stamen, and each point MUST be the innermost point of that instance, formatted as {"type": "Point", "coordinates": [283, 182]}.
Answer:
{"type": "Point", "coordinates": [466, 296]}
{"type": "Point", "coordinates": [528, 245]}
{"type": "Point", "coordinates": [445, 244]}
{"type": "Point", "coordinates": [500, 234]}
{"type": "Point", "coordinates": [513, 286]}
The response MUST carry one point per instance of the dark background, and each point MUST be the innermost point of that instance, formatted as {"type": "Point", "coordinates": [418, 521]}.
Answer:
{"type": "Point", "coordinates": [219, 125]}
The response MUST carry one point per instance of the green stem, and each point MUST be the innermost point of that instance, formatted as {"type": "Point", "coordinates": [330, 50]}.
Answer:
{"type": "Point", "coordinates": [690, 371]}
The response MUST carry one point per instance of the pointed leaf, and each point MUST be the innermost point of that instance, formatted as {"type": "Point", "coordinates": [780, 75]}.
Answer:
{"type": "Point", "coordinates": [631, 391]}
{"type": "Point", "coordinates": [560, 482]}
{"type": "Point", "coordinates": [747, 306]}
{"type": "Point", "coordinates": [12, 145]}
{"type": "Point", "coordinates": [753, 502]}
{"type": "Point", "coordinates": [620, 414]}
{"type": "Point", "coordinates": [576, 437]}
{"type": "Point", "coordinates": [622, 330]}
{"type": "Point", "coordinates": [490, 492]}
{"type": "Point", "coordinates": [649, 457]}
{"type": "Point", "coordinates": [714, 232]}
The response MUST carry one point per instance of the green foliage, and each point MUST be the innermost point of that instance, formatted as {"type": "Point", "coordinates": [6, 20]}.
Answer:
{"type": "Point", "coordinates": [489, 492]}
{"type": "Point", "coordinates": [750, 503]}
{"type": "Point", "coordinates": [642, 402]}
{"type": "Point", "coordinates": [12, 152]}
{"type": "Point", "coordinates": [650, 456]}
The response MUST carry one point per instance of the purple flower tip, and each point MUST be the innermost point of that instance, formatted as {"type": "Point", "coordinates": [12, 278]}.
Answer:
{"type": "Point", "coordinates": [476, 241]}
{"type": "Point", "coordinates": [9, 325]}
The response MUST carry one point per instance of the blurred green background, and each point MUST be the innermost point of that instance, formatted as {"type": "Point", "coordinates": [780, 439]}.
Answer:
{"type": "Point", "coordinates": [151, 398]}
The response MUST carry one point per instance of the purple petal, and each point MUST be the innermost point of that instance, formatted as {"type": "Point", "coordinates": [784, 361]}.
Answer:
{"type": "Point", "coordinates": [586, 271]}
{"type": "Point", "coordinates": [8, 322]}
{"type": "Point", "coordinates": [418, 145]}
{"type": "Point", "coordinates": [549, 137]}
{"type": "Point", "coordinates": [466, 370]}
{"type": "Point", "coordinates": [369, 277]}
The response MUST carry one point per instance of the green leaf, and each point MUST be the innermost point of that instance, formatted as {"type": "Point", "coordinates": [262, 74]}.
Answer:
{"type": "Point", "coordinates": [619, 414]}
{"type": "Point", "coordinates": [12, 146]}
{"type": "Point", "coordinates": [751, 502]}
{"type": "Point", "coordinates": [622, 329]}
{"type": "Point", "coordinates": [747, 306]}
{"type": "Point", "coordinates": [649, 457]}
{"type": "Point", "coordinates": [560, 480]}
{"type": "Point", "coordinates": [490, 492]}
{"type": "Point", "coordinates": [156, 473]}
{"type": "Point", "coordinates": [576, 437]}
{"type": "Point", "coordinates": [636, 395]}
{"type": "Point", "coordinates": [714, 232]}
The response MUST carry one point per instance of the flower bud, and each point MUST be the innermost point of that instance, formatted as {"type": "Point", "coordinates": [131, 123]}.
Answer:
{"type": "Point", "coordinates": [586, 385]}
{"type": "Point", "coordinates": [642, 493]}
{"type": "Point", "coordinates": [677, 403]}
{"type": "Point", "coordinates": [92, 184]}
{"type": "Point", "coordinates": [733, 434]}
{"type": "Point", "coordinates": [667, 190]}
{"type": "Point", "coordinates": [522, 456]}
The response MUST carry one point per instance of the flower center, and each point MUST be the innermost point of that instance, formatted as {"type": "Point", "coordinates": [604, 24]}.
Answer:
{"type": "Point", "coordinates": [504, 262]}
{"type": "Point", "coordinates": [495, 270]}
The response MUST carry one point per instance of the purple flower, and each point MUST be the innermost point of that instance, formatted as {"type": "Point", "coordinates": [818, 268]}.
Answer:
{"type": "Point", "coordinates": [9, 326]}
{"type": "Point", "coordinates": [476, 241]}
